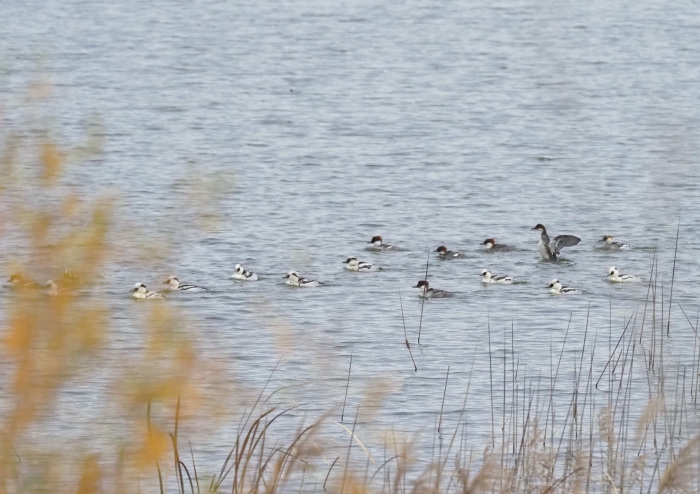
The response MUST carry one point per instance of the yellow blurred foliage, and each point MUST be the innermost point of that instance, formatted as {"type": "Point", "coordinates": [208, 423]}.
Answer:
{"type": "Point", "coordinates": [51, 339]}
{"type": "Point", "coordinates": [52, 161]}
{"type": "Point", "coordinates": [91, 476]}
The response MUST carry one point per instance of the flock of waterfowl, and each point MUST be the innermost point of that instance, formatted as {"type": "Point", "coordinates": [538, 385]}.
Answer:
{"type": "Point", "coordinates": [548, 248]}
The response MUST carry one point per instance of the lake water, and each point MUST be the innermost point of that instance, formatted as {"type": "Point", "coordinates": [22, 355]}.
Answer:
{"type": "Point", "coordinates": [302, 129]}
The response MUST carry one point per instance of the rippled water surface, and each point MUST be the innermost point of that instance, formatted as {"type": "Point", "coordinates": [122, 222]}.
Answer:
{"type": "Point", "coordinates": [302, 129]}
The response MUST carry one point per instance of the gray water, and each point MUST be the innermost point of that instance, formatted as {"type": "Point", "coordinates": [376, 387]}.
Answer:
{"type": "Point", "coordinates": [308, 127]}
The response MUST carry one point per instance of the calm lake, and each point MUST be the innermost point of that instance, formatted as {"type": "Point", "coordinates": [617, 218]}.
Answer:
{"type": "Point", "coordinates": [284, 135]}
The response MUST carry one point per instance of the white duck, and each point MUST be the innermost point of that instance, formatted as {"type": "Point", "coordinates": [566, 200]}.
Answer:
{"type": "Point", "coordinates": [355, 265]}
{"type": "Point", "coordinates": [243, 274]}
{"type": "Point", "coordinates": [557, 289]}
{"type": "Point", "coordinates": [175, 286]}
{"type": "Point", "coordinates": [294, 279]}
{"type": "Point", "coordinates": [139, 291]}
{"type": "Point", "coordinates": [487, 277]}
{"type": "Point", "coordinates": [615, 277]}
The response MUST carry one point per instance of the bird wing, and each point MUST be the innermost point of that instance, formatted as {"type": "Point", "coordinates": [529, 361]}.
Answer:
{"type": "Point", "coordinates": [562, 241]}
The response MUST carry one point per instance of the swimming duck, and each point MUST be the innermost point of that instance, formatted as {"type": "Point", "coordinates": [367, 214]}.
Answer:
{"type": "Point", "coordinates": [608, 244]}
{"type": "Point", "coordinates": [549, 249]}
{"type": "Point", "coordinates": [140, 292]}
{"type": "Point", "coordinates": [355, 265]}
{"type": "Point", "coordinates": [377, 243]}
{"type": "Point", "coordinates": [294, 279]}
{"type": "Point", "coordinates": [557, 289]}
{"type": "Point", "coordinates": [243, 275]}
{"type": "Point", "coordinates": [427, 292]}
{"type": "Point", "coordinates": [615, 276]}
{"type": "Point", "coordinates": [175, 286]}
{"type": "Point", "coordinates": [492, 246]}
{"type": "Point", "coordinates": [443, 253]}
{"type": "Point", "coordinates": [487, 277]}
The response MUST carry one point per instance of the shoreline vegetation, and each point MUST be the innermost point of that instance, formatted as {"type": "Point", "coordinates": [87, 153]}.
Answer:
{"type": "Point", "coordinates": [588, 446]}
{"type": "Point", "coordinates": [597, 442]}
